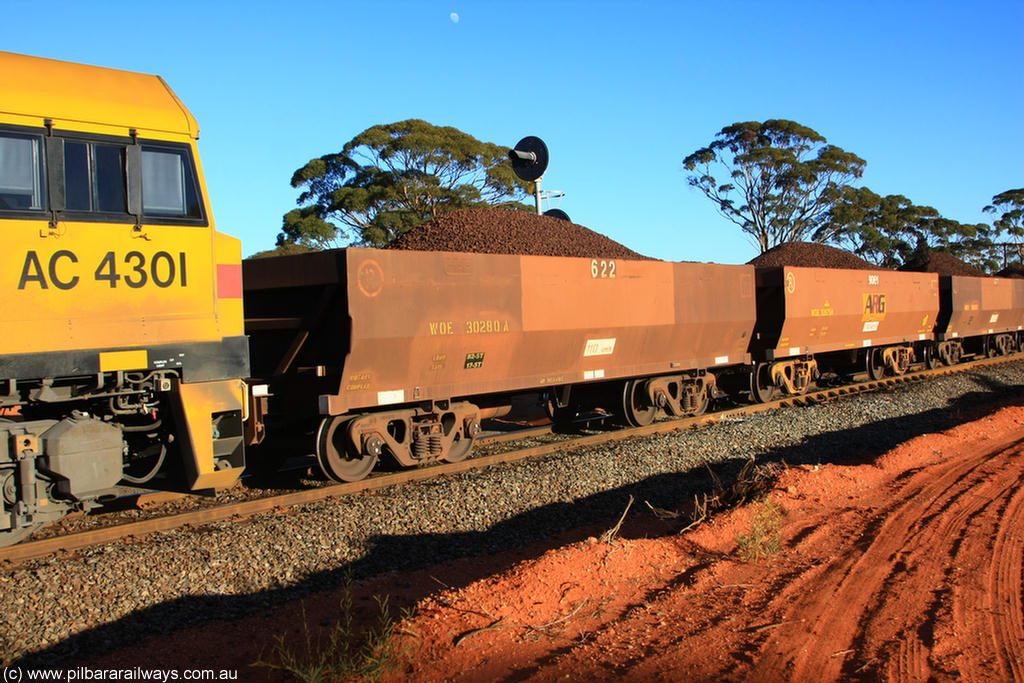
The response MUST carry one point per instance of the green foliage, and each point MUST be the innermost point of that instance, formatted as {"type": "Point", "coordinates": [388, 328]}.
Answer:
{"type": "Point", "coordinates": [283, 250]}
{"type": "Point", "coordinates": [1010, 206]}
{"type": "Point", "coordinates": [765, 536]}
{"type": "Point", "coordinates": [891, 231]}
{"type": "Point", "coordinates": [781, 178]}
{"type": "Point", "coordinates": [392, 177]}
{"type": "Point", "coordinates": [969, 242]}
{"type": "Point", "coordinates": [341, 657]}
{"type": "Point", "coordinates": [1010, 224]}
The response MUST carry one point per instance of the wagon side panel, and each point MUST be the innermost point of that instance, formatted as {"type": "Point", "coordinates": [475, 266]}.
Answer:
{"type": "Point", "coordinates": [828, 310]}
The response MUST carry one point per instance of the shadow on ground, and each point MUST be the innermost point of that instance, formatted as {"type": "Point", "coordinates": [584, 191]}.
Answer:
{"type": "Point", "coordinates": [527, 535]}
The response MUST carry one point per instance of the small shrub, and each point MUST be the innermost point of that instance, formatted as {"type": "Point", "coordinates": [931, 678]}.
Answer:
{"type": "Point", "coordinates": [765, 536]}
{"type": "Point", "coordinates": [341, 656]}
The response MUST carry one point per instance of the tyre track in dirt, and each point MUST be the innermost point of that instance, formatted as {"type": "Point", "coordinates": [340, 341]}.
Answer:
{"type": "Point", "coordinates": [901, 569]}
{"type": "Point", "coordinates": [1006, 618]}
{"type": "Point", "coordinates": [910, 547]}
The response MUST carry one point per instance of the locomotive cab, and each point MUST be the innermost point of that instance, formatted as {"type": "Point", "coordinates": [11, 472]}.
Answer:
{"type": "Point", "coordinates": [122, 349]}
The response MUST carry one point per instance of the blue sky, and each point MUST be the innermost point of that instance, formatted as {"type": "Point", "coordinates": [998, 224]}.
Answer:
{"type": "Point", "coordinates": [930, 94]}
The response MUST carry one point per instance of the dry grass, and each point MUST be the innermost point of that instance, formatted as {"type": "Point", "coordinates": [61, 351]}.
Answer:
{"type": "Point", "coordinates": [344, 654]}
{"type": "Point", "coordinates": [752, 482]}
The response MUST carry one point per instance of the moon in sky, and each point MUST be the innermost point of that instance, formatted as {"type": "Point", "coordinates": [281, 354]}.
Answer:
{"type": "Point", "coordinates": [454, 16]}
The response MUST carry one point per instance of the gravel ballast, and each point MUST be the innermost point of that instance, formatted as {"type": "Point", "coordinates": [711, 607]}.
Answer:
{"type": "Point", "coordinates": [58, 609]}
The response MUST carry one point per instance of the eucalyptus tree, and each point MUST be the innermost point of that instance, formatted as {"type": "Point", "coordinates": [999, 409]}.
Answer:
{"type": "Point", "coordinates": [392, 177]}
{"type": "Point", "coordinates": [776, 180]}
{"type": "Point", "coordinates": [883, 230]}
{"type": "Point", "coordinates": [892, 231]}
{"type": "Point", "coordinates": [1010, 224]}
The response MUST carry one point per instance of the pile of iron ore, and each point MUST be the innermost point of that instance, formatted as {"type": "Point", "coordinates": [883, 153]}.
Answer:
{"type": "Point", "coordinates": [942, 263]}
{"type": "Point", "coordinates": [502, 231]}
{"type": "Point", "coordinates": [1013, 270]}
{"type": "Point", "coordinates": [810, 255]}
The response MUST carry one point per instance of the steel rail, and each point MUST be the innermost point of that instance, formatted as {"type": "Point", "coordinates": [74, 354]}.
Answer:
{"type": "Point", "coordinates": [244, 509]}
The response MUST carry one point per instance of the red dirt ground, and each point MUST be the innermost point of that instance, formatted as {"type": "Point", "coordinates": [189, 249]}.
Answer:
{"type": "Point", "coordinates": [905, 569]}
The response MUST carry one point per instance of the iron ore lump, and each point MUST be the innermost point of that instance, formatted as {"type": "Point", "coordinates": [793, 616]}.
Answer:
{"type": "Point", "coordinates": [810, 255]}
{"type": "Point", "coordinates": [942, 263]}
{"type": "Point", "coordinates": [503, 231]}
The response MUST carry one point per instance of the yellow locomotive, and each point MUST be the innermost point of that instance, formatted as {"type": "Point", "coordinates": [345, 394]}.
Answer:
{"type": "Point", "coordinates": [122, 348]}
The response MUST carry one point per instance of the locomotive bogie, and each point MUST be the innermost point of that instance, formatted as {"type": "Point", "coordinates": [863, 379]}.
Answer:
{"type": "Point", "coordinates": [48, 467]}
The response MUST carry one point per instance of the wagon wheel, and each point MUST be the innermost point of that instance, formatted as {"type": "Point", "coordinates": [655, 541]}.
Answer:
{"type": "Point", "coordinates": [460, 448]}
{"type": "Point", "coordinates": [931, 358]}
{"type": "Point", "coordinates": [762, 389]}
{"type": "Point", "coordinates": [337, 455]}
{"type": "Point", "coordinates": [991, 348]}
{"type": "Point", "coordinates": [1003, 344]}
{"type": "Point", "coordinates": [875, 364]}
{"type": "Point", "coordinates": [10, 537]}
{"type": "Point", "coordinates": [637, 409]}
{"type": "Point", "coordinates": [559, 415]}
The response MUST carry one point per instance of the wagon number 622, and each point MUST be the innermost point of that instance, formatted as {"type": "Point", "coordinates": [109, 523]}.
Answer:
{"type": "Point", "coordinates": [602, 268]}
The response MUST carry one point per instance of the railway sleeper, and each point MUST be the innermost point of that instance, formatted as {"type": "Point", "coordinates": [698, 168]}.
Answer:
{"type": "Point", "coordinates": [348, 447]}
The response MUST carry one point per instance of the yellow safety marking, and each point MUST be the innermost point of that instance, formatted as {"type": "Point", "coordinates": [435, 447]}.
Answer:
{"type": "Point", "coordinates": [124, 360]}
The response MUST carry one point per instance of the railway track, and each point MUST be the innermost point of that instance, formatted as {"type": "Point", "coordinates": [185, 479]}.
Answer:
{"type": "Point", "coordinates": [246, 508]}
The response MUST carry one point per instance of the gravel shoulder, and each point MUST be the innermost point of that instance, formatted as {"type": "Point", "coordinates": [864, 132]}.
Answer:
{"type": "Point", "coordinates": [217, 595]}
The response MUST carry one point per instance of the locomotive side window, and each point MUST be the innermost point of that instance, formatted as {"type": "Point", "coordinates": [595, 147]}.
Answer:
{"type": "Point", "coordinates": [168, 184]}
{"type": "Point", "coordinates": [85, 177]}
{"type": "Point", "coordinates": [94, 177]}
{"type": "Point", "coordinates": [21, 173]}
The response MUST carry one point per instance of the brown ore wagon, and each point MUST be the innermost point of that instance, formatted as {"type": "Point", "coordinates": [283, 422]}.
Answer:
{"type": "Point", "coordinates": [980, 315]}
{"type": "Point", "coordinates": [403, 353]}
{"type": "Point", "coordinates": [814, 320]}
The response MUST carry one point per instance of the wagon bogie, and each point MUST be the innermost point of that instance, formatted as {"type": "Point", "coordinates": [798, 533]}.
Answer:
{"type": "Point", "coordinates": [644, 399]}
